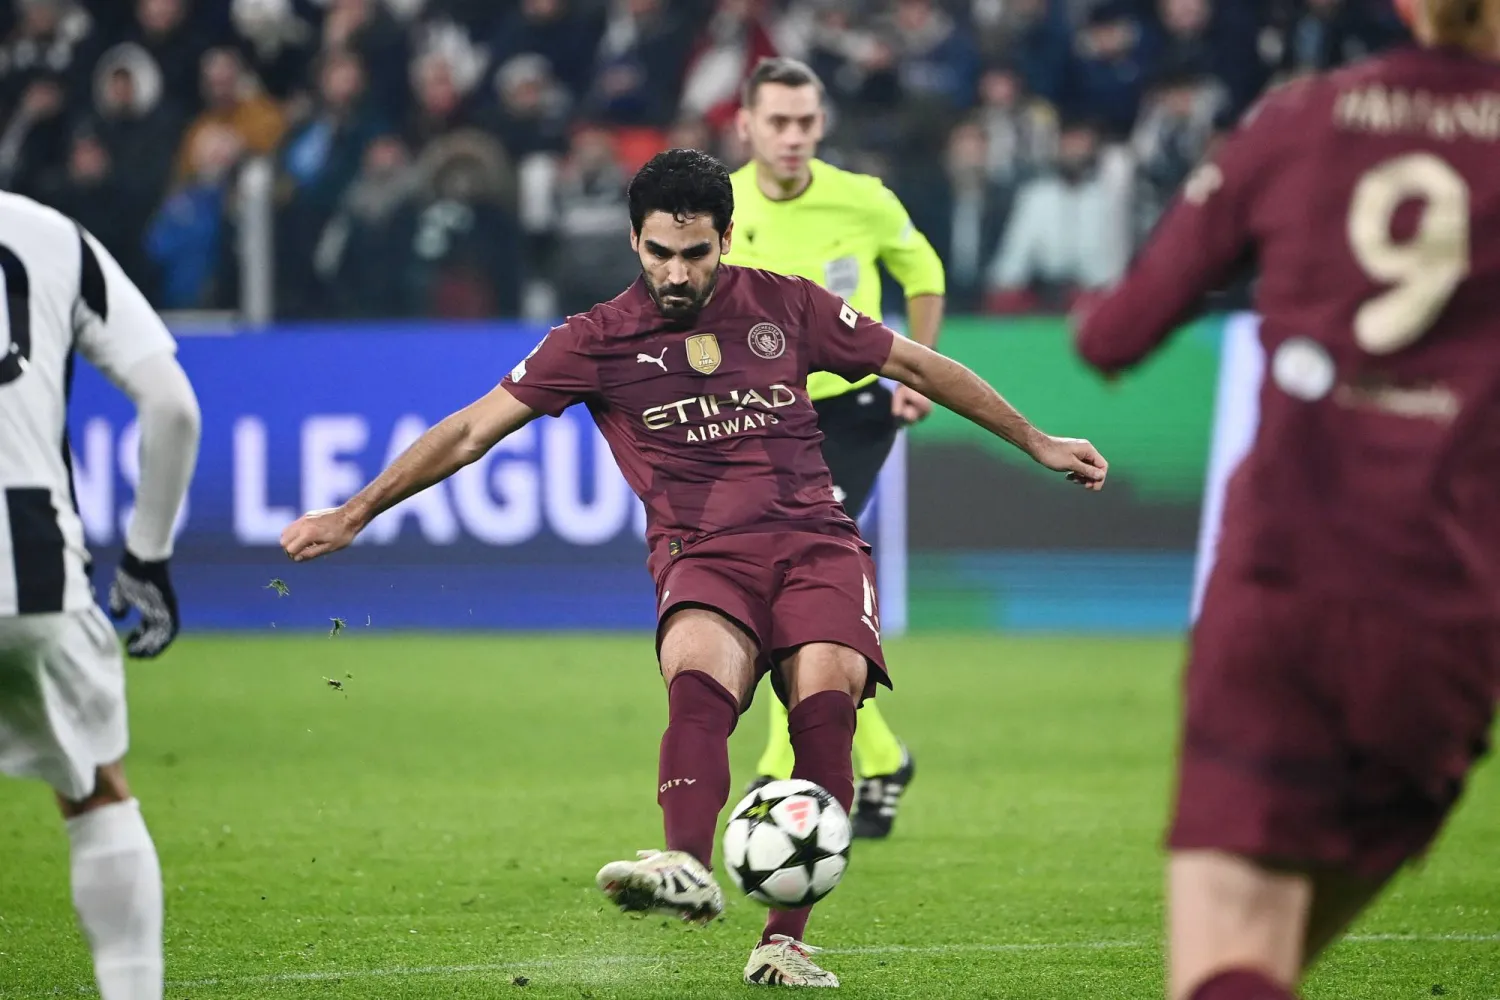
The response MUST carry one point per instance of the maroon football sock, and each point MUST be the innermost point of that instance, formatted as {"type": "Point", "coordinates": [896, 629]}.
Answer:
{"type": "Point", "coordinates": [1242, 984]}
{"type": "Point", "coordinates": [822, 730]}
{"type": "Point", "coordinates": [693, 774]}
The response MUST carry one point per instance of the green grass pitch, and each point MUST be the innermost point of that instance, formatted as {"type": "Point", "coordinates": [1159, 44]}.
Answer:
{"type": "Point", "coordinates": [433, 829]}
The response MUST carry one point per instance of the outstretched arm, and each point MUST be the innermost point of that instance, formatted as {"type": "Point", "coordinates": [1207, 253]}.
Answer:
{"type": "Point", "coordinates": [458, 440]}
{"type": "Point", "coordinates": [960, 390]}
{"type": "Point", "coordinates": [1196, 246]}
{"type": "Point", "coordinates": [851, 344]}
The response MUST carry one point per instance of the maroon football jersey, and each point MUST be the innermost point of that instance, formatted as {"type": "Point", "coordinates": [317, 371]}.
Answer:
{"type": "Point", "coordinates": [1371, 198]}
{"type": "Point", "coordinates": [711, 425]}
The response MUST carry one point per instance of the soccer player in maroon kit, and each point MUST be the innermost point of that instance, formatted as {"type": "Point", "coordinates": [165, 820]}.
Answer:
{"type": "Point", "coordinates": [696, 377]}
{"type": "Point", "coordinates": [1345, 666]}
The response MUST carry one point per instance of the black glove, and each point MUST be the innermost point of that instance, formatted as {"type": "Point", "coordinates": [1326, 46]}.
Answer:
{"type": "Point", "coordinates": [146, 587]}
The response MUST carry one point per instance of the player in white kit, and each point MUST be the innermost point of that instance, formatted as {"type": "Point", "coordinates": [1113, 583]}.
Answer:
{"type": "Point", "coordinates": [62, 685]}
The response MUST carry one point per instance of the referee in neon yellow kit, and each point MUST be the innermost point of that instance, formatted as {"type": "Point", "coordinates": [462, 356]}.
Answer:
{"type": "Point", "coordinates": [795, 214]}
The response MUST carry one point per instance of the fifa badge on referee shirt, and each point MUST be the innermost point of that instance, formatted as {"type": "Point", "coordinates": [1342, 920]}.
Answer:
{"type": "Point", "coordinates": [703, 353]}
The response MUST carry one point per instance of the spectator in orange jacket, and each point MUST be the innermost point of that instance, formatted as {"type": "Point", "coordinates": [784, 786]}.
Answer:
{"type": "Point", "coordinates": [232, 97]}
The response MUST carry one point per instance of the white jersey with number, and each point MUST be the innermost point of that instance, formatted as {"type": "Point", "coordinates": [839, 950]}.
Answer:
{"type": "Point", "coordinates": [63, 295]}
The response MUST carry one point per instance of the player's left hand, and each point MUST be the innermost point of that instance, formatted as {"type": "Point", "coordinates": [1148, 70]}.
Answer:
{"type": "Point", "coordinates": [146, 587]}
{"type": "Point", "coordinates": [1075, 456]}
{"type": "Point", "coordinates": [318, 533]}
{"type": "Point", "coordinates": [909, 406]}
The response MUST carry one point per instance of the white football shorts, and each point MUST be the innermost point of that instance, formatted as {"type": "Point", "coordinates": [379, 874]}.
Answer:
{"type": "Point", "coordinates": [62, 699]}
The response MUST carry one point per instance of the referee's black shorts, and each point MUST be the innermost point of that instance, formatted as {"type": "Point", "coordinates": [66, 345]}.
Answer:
{"type": "Point", "coordinates": [858, 432]}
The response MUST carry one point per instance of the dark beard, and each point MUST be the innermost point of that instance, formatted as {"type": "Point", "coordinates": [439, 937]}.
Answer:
{"type": "Point", "coordinates": [684, 314]}
{"type": "Point", "coordinates": [1075, 172]}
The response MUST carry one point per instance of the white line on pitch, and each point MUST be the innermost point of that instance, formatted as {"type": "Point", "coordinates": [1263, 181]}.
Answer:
{"type": "Point", "coordinates": [1425, 938]}
{"type": "Point", "coordinates": [604, 961]}
{"type": "Point", "coordinates": [607, 961]}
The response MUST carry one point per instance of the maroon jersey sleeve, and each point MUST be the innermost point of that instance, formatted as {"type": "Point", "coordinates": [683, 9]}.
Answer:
{"type": "Point", "coordinates": [1204, 233]}
{"type": "Point", "coordinates": [841, 339]}
{"type": "Point", "coordinates": [557, 373]}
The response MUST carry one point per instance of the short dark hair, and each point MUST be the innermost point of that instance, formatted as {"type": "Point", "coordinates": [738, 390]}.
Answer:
{"type": "Point", "coordinates": [682, 182]}
{"type": "Point", "coordinates": [1179, 71]}
{"type": "Point", "coordinates": [780, 70]}
{"type": "Point", "coordinates": [1081, 123]}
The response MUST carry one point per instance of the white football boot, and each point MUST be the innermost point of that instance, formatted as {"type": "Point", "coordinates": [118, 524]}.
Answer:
{"type": "Point", "coordinates": [672, 882]}
{"type": "Point", "coordinates": [786, 962]}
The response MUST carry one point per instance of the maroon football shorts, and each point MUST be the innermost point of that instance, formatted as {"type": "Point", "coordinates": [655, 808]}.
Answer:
{"type": "Point", "coordinates": [1321, 733]}
{"type": "Point", "coordinates": [785, 589]}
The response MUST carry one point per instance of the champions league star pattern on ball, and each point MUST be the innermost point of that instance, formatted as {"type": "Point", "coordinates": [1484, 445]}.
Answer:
{"type": "Point", "coordinates": [787, 844]}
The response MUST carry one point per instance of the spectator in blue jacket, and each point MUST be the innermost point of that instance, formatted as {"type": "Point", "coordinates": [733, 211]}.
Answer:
{"type": "Point", "coordinates": [319, 161]}
{"type": "Point", "coordinates": [186, 239]}
{"type": "Point", "coordinates": [567, 38]}
{"type": "Point", "coordinates": [1223, 37]}
{"type": "Point", "coordinates": [1107, 75]}
{"type": "Point", "coordinates": [936, 62]}
{"type": "Point", "coordinates": [639, 64]}
{"type": "Point", "coordinates": [1038, 37]}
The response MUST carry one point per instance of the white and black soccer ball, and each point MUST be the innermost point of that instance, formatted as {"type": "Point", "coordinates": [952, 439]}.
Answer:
{"type": "Point", "coordinates": [787, 844]}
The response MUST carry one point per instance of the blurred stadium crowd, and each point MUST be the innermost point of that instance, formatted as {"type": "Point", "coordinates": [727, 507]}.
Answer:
{"type": "Point", "coordinates": [466, 158]}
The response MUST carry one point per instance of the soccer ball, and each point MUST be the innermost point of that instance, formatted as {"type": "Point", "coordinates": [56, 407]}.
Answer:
{"type": "Point", "coordinates": [787, 844]}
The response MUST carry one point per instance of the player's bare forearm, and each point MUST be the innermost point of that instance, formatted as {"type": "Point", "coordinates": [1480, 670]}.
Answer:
{"type": "Point", "coordinates": [456, 441]}
{"type": "Point", "coordinates": [947, 382]}
{"type": "Point", "coordinates": [965, 393]}
{"type": "Point", "coordinates": [924, 319]}
{"type": "Point", "coordinates": [436, 455]}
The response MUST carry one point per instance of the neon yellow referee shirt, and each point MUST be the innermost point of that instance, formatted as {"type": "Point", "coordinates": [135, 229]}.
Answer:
{"type": "Point", "coordinates": [833, 233]}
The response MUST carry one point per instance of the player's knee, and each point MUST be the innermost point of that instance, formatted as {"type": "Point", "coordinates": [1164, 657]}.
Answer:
{"type": "Point", "coordinates": [701, 640]}
{"type": "Point", "coordinates": [110, 787]}
{"type": "Point", "coordinates": [825, 666]}
{"type": "Point", "coordinates": [1238, 884]}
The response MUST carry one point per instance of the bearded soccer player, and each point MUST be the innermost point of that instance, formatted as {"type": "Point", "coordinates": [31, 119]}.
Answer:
{"type": "Point", "coordinates": [1345, 664]}
{"type": "Point", "coordinates": [795, 214]}
{"type": "Point", "coordinates": [696, 375]}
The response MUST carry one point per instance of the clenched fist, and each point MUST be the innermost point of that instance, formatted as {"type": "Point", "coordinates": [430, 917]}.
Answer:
{"type": "Point", "coordinates": [319, 532]}
{"type": "Point", "coordinates": [1075, 456]}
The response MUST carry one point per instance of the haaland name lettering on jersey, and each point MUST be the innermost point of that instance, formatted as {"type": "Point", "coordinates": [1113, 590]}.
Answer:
{"type": "Point", "coordinates": [721, 415]}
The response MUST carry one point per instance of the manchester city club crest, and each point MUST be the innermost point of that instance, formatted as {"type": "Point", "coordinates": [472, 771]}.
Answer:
{"type": "Point", "coordinates": [703, 353]}
{"type": "Point", "coordinates": [767, 341]}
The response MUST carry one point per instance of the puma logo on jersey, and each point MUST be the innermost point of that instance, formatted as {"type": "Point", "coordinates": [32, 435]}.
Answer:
{"type": "Point", "coordinates": [871, 617]}
{"type": "Point", "coordinates": [659, 361]}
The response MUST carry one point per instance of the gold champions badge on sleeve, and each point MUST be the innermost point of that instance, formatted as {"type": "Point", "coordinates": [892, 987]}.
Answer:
{"type": "Point", "coordinates": [703, 353]}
